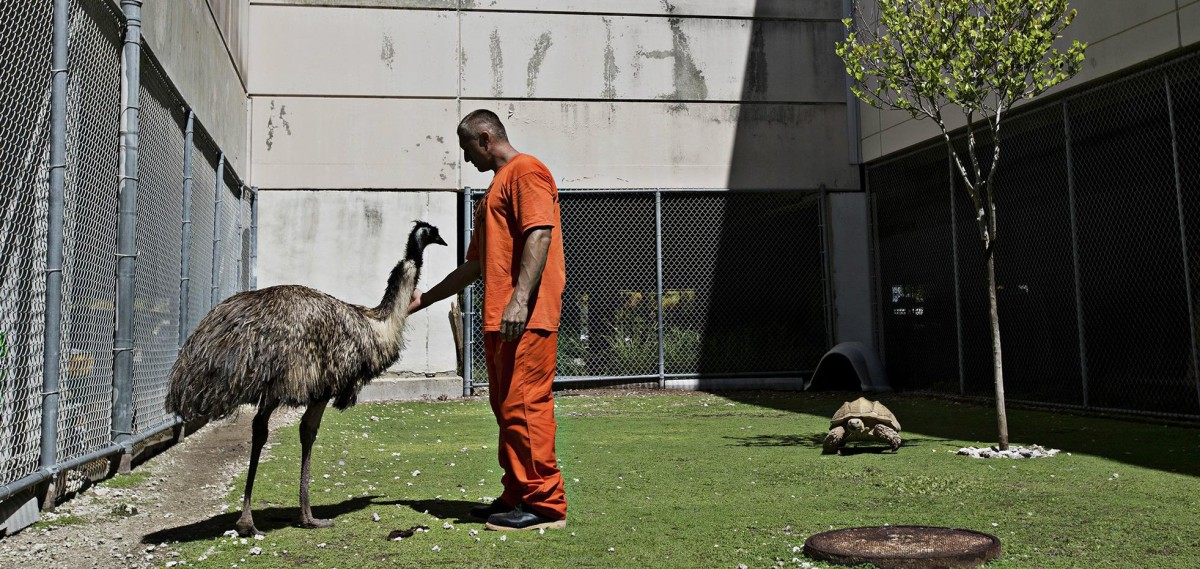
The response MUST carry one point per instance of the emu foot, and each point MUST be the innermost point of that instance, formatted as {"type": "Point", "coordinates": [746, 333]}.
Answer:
{"type": "Point", "coordinates": [245, 528]}
{"type": "Point", "coordinates": [315, 523]}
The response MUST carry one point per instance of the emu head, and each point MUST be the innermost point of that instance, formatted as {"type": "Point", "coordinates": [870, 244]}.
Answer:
{"type": "Point", "coordinates": [422, 235]}
{"type": "Point", "coordinates": [426, 234]}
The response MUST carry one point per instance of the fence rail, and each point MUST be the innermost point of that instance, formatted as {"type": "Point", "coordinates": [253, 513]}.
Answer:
{"type": "Point", "coordinates": [678, 284]}
{"type": "Point", "coordinates": [80, 363]}
{"type": "Point", "coordinates": [1096, 259]}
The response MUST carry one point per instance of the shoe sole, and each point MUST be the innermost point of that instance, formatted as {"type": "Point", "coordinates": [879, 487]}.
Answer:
{"type": "Point", "coordinates": [558, 524]}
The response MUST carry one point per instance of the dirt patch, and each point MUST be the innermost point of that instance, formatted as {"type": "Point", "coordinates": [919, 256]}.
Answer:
{"type": "Point", "coordinates": [105, 527]}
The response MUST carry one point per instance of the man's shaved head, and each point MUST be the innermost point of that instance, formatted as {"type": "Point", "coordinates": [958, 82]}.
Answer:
{"type": "Point", "coordinates": [482, 120]}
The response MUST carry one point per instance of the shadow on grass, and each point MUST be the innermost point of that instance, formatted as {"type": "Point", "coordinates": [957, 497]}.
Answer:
{"type": "Point", "coordinates": [1134, 441]}
{"type": "Point", "coordinates": [265, 519]}
{"type": "Point", "coordinates": [460, 510]}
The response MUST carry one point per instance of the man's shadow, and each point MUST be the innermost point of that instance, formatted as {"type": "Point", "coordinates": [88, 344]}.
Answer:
{"type": "Point", "coordinates": [459, 510]}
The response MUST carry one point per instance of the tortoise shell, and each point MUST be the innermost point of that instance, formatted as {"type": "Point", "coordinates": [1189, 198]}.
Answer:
{"type": "Point", "coordinates": [870, 412]}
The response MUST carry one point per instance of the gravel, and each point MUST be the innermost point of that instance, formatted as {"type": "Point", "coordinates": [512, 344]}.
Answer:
{"type": "Point", "coordinates": [187, 484]}
{"type": "Point", "coordinates": [1032, 451]}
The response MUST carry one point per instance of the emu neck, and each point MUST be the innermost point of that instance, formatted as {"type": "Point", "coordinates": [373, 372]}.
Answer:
{"type": "Point", "coordinates": [401, 282]}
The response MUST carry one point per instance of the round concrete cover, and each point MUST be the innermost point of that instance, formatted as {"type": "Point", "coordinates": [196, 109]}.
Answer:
{"type": "Point", "coordinates": [904, 547]}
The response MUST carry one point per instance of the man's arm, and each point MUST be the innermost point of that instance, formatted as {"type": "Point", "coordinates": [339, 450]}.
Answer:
{"type": "Point", "coordinates": [457, 280]}
{"type": "Point", "coordinates": [533, 261]}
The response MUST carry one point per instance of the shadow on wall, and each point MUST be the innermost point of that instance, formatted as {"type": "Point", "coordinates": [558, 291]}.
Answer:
{"type": "Point", "coordinates": [766, 298]}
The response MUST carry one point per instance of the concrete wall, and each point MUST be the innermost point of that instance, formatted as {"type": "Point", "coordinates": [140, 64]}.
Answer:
{"type": "Point", "coordinates": [363, 96]}
{"type": "Point", "coordinates": [1119, 34]}
{"type": "Point", "coordinates": [204, 57]}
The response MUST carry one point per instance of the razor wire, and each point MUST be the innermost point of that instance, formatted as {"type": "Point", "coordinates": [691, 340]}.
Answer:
{"type": "Point", "coordinates": [741, 295]}
{"type": "Point", "coordinates": [1096, 262]}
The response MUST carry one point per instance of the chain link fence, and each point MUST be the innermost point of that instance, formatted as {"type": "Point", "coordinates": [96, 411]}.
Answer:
{"type": "Point", "coordinates": [1096, 256]}
{"type": "Point", "coordinates": [84, 433]}
{"type": "Point", "coordinates": [682, 284]}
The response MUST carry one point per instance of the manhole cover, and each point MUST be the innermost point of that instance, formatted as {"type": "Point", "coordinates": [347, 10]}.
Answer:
{"type": "Point", "coordinates": [904, 547]}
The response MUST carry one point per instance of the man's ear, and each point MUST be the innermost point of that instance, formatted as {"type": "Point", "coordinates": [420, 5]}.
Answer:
{"type": "Point", "coordinates": [485, 139]}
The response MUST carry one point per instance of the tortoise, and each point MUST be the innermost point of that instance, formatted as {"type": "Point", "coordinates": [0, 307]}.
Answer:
{"type": "Point", "coordinates": [862, 419]}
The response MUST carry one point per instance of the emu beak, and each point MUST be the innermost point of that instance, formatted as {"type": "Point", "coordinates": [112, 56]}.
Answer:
{"type": "Point", "coordinates": [438, 240]}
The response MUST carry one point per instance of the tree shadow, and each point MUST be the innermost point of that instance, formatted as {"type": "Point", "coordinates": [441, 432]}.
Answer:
{"type": "Point", "coordinates": [265, 519]}
{"type": "Point", "coordinates": [938, 421]}
{"type": "Point", "coordinates": [813, 440]}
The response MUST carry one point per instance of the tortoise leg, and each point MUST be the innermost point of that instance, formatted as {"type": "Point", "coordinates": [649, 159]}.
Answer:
{"type": "Point", "coordinates": [834, 440]}
{"type": "Point", "coordinates": [888, 435]}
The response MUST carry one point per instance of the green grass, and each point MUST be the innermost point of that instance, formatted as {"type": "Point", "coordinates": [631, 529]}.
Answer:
{"type": "Point", "coordinates": [134, 479]}
{"type": "Point", "coordinates": [59, 521]}
{"type": "Point", "coordinates": [700, 480]}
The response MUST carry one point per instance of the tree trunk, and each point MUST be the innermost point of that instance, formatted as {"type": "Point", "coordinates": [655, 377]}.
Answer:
{"type": "Point", "coordinates": [997, 362]}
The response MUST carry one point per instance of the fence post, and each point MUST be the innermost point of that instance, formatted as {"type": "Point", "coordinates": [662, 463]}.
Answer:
{"type": "Point", "coordinates": [1187, 279]}
{"type": "Point", "coordinates": [1083, 370]}
{"type": "Point", "coordinates": [54, 246]}
{"type": "Point", "coordinates": [219, 189]}
{"type": "Point", "coordinates": [468, 309]}
{"type": "Point", "coordinates": [185, 265]}
{"type": "Point", "coordinates": [826, 269]}
{"type": "Point", "coordinates": [958, 328]}
{"type": "Point", "coordinates": [131, 58]}
{"type": "Point", "coordinates": [658, 255]}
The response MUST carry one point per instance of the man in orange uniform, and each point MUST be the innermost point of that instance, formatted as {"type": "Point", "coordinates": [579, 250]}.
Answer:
{"type": "Point", "coordinates": [517, 248]}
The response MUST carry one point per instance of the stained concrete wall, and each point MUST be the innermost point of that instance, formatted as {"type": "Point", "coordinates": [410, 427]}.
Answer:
{"type": "Point", "coordinates": [361, 98]}
{"type": "Point", "coordinates": [201, 45]}
{"type": "Point", "coordinates": [1119, 34]}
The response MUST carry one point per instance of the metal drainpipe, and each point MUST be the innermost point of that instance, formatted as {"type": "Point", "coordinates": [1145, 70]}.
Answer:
{"type": "Point", "coordinates": [54, 247]}
{"type": "Point", "coordinates": [219, 188]}
{"type": "Point", "coordinates": [241, 196]}
{"type": "Point", "coordinates": [185, 265]}
{"type": "Point", "coordinates": [254, 238]}
{"type": "Point", "coordinates": [131, 59]}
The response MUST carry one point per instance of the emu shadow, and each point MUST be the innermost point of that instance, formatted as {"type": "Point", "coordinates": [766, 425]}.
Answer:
{"type": "Point", "coordinates": [268, 519]}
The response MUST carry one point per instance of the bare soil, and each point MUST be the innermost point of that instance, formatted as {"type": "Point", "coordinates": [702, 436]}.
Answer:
{"type": "Point", "coordinates": [183, 489]}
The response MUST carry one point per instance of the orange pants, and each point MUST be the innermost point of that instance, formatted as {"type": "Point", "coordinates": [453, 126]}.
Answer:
{"type": "Point", "coordinates": [520, 374]}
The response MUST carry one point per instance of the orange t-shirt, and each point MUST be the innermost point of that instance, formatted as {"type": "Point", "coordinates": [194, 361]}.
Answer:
{"type": "Point", "coordinates": [521, 197]}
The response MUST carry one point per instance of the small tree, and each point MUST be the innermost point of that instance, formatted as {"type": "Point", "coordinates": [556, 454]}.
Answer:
{"type": "Point", "coordinates": [922, 56]}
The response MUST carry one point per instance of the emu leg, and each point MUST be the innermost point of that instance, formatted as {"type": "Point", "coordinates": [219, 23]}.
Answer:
{"type": "Point", "coordinates": [834, 440]}
{"type": "Point", "coordinates": [245, 524]}
{"type": "Point", "coordinates": [888, 435]}
{"type": "Point", "coordinates": [308, 433]}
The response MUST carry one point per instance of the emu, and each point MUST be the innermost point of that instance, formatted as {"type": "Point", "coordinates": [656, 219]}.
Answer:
{"type": "Point", "coordinates": [292, 345]}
